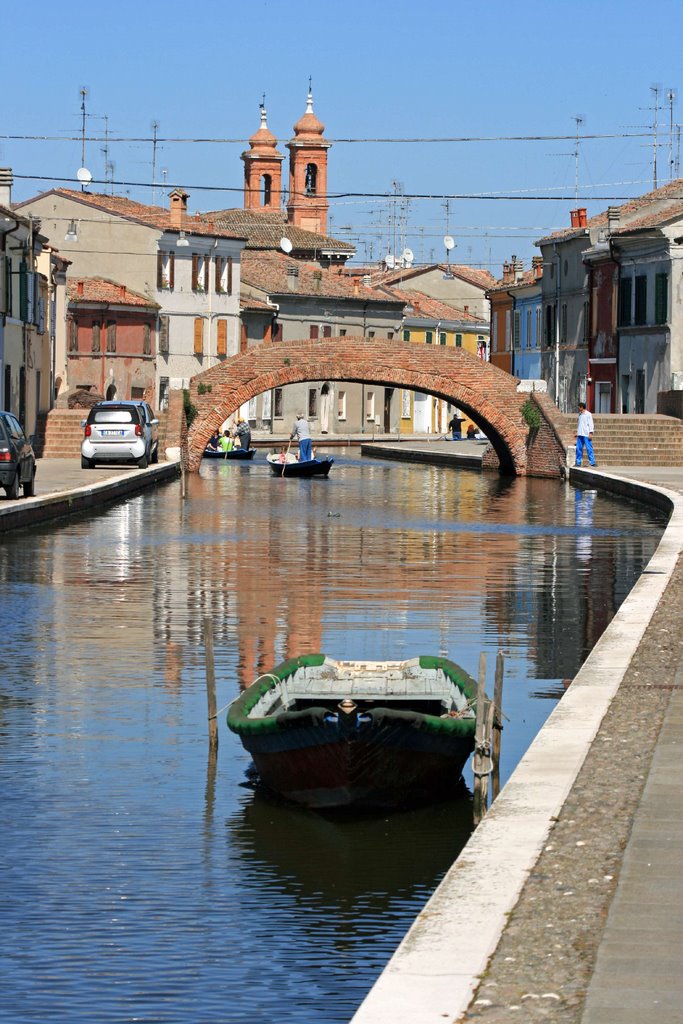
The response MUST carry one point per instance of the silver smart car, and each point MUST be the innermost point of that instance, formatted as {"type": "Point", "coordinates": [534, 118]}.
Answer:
{"type": "Point", "coordinates": [125, 431]}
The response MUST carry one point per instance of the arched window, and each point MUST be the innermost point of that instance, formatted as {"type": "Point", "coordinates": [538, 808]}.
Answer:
{"type": "Point", "coordinates": [311, 182]}
{"type": "Point", "coordinates": [266, 181]}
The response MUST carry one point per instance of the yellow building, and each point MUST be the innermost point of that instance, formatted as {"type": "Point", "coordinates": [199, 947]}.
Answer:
{"type": "Point", "coordinates": [429, 321]}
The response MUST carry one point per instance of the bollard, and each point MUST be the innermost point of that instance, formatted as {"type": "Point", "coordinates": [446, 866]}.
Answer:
{"type": "Point", "coordinates": [210, 682]}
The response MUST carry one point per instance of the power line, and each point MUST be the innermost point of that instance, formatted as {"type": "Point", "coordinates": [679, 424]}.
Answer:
{"type": "Point", "coordinates": [347, 141]}
{"type": "Point", "coordinates": [464, 196]}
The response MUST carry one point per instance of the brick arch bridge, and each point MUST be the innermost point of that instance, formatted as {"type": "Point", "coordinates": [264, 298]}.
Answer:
{"type": "Point", "coordinates": [486, 393]}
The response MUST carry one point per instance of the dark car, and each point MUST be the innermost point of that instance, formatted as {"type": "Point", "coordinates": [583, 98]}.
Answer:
{"type": "Point", "coordinates": [17, 458]}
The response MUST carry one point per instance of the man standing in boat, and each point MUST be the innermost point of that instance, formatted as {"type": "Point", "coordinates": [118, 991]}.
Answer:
{"type": "Point", "coordinates": [301, 432]}
{"type": "Point", "coordinates": [243, 431]}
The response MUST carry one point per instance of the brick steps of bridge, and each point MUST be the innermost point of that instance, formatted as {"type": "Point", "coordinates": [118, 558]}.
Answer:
{"type": "Point", "coordinates": [632, 440]}
{"type": "Point", "coordinates": [59, 434]}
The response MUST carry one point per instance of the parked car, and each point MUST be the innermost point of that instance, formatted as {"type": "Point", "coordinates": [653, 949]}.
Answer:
{"type": "Point", "coordinates": [125, 431]}
{"type": "Point", "coordinates": [17, 458]}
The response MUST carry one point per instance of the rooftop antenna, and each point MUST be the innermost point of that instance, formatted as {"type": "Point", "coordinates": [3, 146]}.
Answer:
{"type": "Point", "coordinates": [449, 243]}
{"type": "Point", "coordinates": [671, 97]}
{"type": "Point", "coordinates": [579, 121]}
{"type": "Point", "coordinates": [655, 89]}
{"type": "Point", "coordinates": [83, 174]}
{"type": "Point", "coordinates": [155, 129]}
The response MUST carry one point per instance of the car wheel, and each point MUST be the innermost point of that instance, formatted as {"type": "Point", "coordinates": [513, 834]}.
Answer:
{"type": "Point", "coordinates": [13, 490]}
{"type": "Point", "coordinates": [143, 461]}
{"type": "Point", "coordinates": [155, 455]}
{"type": "Point", "coordinates": [87, 463]}
{"type": "Point", "coordinates": [30, 485]}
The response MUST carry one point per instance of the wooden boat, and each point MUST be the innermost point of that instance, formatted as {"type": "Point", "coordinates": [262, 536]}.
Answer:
{"type": "Point", "coordinates": [326, 733]}
{"type": "Point", "coordinates": [240, 454]}
{"type": "Point", "coordinates": [292, 467]}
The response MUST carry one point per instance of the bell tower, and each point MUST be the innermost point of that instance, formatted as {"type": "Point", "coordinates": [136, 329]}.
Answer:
{"type": "Point", "coordinates": [307, 206]}
{"type": "Point", "coordinates": [262, 169]}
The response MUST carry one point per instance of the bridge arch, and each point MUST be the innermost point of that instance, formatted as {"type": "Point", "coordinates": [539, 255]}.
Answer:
{"type": "Point", "coordinates": [485, 392]}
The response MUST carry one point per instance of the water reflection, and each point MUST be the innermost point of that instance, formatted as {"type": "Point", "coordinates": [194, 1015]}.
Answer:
{"type": "Point", "coordinates": [143, 882]}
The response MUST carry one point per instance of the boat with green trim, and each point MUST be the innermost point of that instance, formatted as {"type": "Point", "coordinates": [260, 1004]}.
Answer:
{"type": "Point", "coordinates": [327, 733]}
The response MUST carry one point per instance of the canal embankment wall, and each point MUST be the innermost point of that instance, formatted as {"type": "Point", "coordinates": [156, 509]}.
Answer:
{"type": "Point", "coordinates": [447, 967]}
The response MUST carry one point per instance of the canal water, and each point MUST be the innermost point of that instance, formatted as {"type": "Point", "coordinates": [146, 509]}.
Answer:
{"type": "Point", "coordinates": [141, 881]}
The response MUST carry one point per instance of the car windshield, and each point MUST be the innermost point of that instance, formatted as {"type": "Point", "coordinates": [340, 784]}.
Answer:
{"type": "Point", "coordinates": [114, 416]}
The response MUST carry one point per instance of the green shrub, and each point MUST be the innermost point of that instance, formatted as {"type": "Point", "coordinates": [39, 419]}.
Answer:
{"type": "Point", "coordinates": [531, 415]}
{"type": "Point", "coordinates": [204, 389]}
{"type": "Point", "coordinates": [191, 411]}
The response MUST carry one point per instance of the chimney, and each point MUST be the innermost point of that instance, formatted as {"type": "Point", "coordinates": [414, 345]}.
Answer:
{"type": "Point", "coordinates": [122, 291]}
{"type": "Point", "coordinates": [612, 219]}
{"type": "Point", "coordinates": [583, 221]}
{"type": "Point", "coordinates": [317, 279]}
{"type": "Point", "coordinates": [80, 287]}
{"type": "Point", "coordinates": [6, 181]}
{"type": "Point", "coordinates": [178, 207]}
{"type": "Point", "coordinates": [537, 265]}
{"type": "Point", "coordinates": [465, 309]}
{"type": "Point", "coordinates": [507, 272]}
{"type": "Point", "coordinates": [574, 214]}
{"type": "Point", "coordinates": [293, 279]}
{"type": "Point", "coordinates": [517, 268]}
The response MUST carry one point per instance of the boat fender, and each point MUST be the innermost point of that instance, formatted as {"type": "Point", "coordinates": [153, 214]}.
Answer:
{"type": "Point", "coordinates": [330, 718]}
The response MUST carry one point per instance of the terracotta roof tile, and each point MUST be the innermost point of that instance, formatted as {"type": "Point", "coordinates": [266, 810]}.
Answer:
{"type": "Point", "coordinates": [379, 275]}
{"type": "Point", "coordinates": [151, 216]}
{"type": "Point", "coordinates": [270, 272]}
{"type": "Point", "coordinates": [428, 308]}
{"type": "Point", "coordinates": [100, 289]}
{"type": "Point", "coordinates": [263, 229]}
{"type": "Point", "coordinates": [649, 210]}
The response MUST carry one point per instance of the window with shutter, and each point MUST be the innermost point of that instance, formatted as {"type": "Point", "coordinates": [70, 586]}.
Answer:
{"type": "Point", "coordinates": [625, 286]}
{"type": "Point", "coordinates": [160, 270]}
{"type": "Point", "coordinates": [222, 338]}
{"type": "Point", "coordinates": [314, 331]}
{"type": "Point", "coordinates": [111, 335]}
{"type": "Point", "coordinates": [661, 298]}
{"type": "Point", "coordinates": [163, 334]}
{"type": "Point", "coordinates": [429, 337]}
{"type": "Point", "coordinates": [195, 271]}
{"type": "Point", "coordinates": [327, 331]}
{"type": "Point", "coordinates": [8, 286]}
{"type": "Point", "coordinates": [146, 340]}
{"type": "Point", "coordinates": [458, 341]}
{"type": "Point", "coordinates": [406, 335]}
{"type": "Point", "coordinates": [95, 337]}
{"type": "Point", "coordinates": [640, 305]}
{"type": "Point", "coordinates": [218, 277]}
{"type": "Point", "coordinates": [23, 291]}
{"type": "Point", "coordinates": [73, 335]}
{"type": "Point", "coordinates": [171, 270]}
{"type": "Point", "coordinates": [229, 284]}
{"type": "Point", "coordinates": [199, 336]}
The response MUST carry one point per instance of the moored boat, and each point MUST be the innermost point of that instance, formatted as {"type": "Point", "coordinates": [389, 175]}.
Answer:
{"type": "Point", "coordinates": [327, 733]}
{"type": "Point", "coordinates": [240, 454]}
{"type": "Point", "coordinates": [290, 466]}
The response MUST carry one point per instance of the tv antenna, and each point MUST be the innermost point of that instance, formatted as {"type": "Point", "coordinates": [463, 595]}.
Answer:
{"type": "Point", "coordinates": [579, 121]}
{"type": "Point", "coordinates": [449, 243]}
{"type": "Point", "coordinates": [671, 97]}
{"type": "Point", "coordinates": [155, 129]}
{"type": "Point", "coordinates": [83, 174]}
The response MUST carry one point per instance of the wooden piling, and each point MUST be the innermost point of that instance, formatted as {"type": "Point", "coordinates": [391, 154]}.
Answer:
{"type": "Point", "coordinates": [479, 801]}
{"type": "Point", "coordinates": [497, 725]}
{"type": "Point", "coordinates": [210, 682]}
{"type": "Point", "coordinates": [183, 490]}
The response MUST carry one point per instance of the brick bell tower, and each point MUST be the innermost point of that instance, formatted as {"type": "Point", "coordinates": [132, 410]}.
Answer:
{"type": "Point", "coordinates": [262, 169]}
{"type": "Point", "coordinates": [307, 206]}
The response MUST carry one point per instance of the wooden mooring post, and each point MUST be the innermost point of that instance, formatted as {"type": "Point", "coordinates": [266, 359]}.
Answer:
{"type": "Point", "coordinates": [489, 722]}
{"type": "Point", "coordinates": [210, 682]}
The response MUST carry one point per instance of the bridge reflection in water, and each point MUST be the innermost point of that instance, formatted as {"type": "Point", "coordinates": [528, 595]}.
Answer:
{"type": "Point", "coordinates": [138, 885]}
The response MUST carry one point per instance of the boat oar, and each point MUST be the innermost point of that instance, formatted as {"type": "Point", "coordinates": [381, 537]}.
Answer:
{"type": "Point", "coordinates": [284, 464]}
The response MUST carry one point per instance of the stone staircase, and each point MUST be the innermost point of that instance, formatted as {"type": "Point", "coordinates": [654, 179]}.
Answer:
{"type": "Point", "coordinates": [630, 440]}
{"type": "Point", "coordinates": [59, 434]}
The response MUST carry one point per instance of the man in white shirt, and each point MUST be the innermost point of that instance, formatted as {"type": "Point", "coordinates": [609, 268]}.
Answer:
{"type": "Point", "coordinates": [584, 435]}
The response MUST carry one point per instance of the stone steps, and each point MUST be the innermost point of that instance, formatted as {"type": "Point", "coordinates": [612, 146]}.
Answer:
{"type": "Point", "coordinates": [59, 434]}
{"type": "Point", "coordinates": [632, 440]}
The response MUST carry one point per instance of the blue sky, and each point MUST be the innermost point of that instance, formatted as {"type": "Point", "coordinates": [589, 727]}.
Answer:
{"type": "Point", "coordinates": [428, 70]}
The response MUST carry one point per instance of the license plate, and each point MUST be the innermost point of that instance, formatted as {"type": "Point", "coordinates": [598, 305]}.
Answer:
{"type": "Point", "coordinates": [113, 433]}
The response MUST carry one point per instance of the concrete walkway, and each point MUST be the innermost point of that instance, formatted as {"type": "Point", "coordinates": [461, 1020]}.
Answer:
{"type": "Point", "coordinates": [566, 905]}
{"type": "Point", "coordinates": [63, 488]}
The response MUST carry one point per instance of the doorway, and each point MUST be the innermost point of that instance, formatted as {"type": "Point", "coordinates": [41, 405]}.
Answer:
{"type": "Point", "coordinates": [604, 397]}
{"type": "Point", "coordinates": [388, 396]}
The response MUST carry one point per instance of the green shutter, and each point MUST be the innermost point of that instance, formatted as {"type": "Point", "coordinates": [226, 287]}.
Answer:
{"type": "Point", "coordinates": [428, 337]}
{"type": "Point", "coordinates": [458, 341]}
{"type": "Point", "coordinates": [661, 298]}
{"type": "Point", "coordinates": [23, 291]}
{"type": "Point", "coordinates": [406, 335]}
